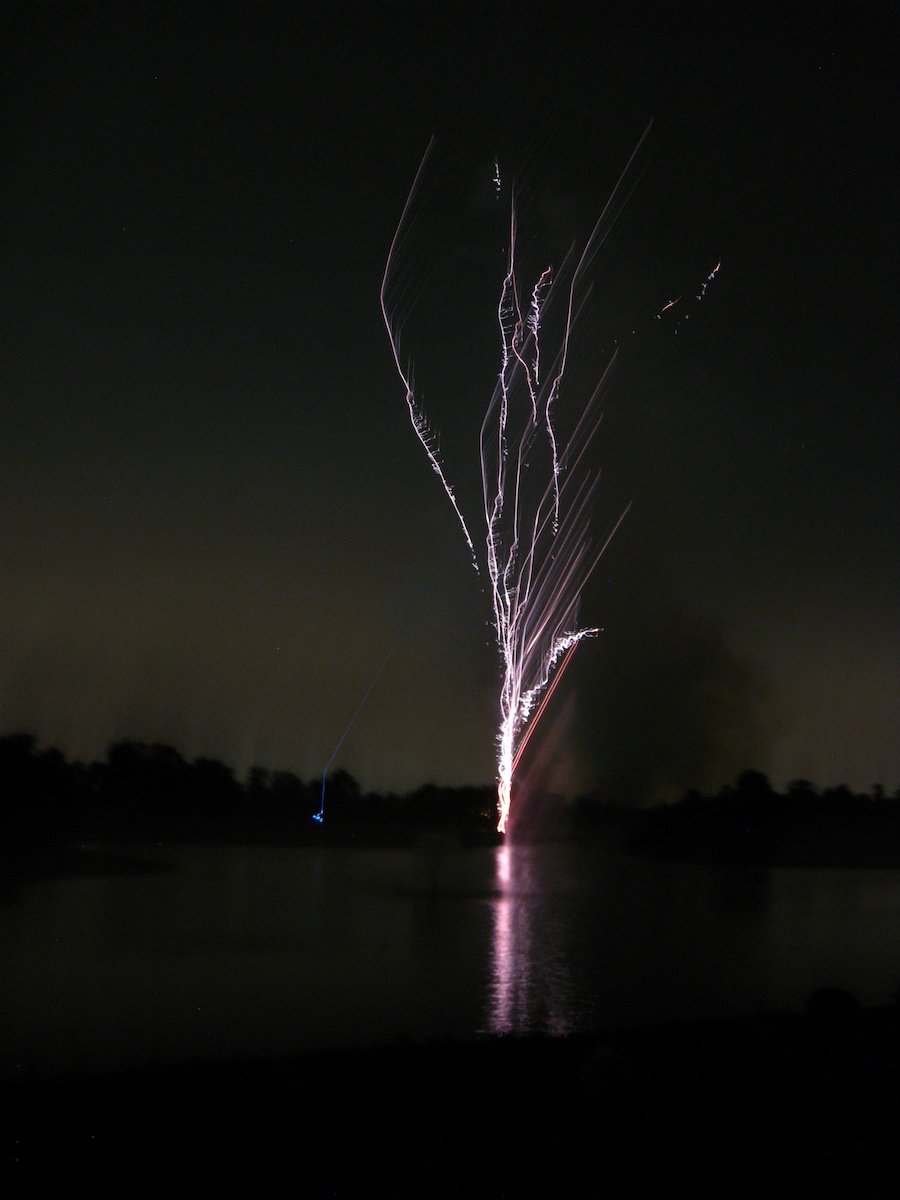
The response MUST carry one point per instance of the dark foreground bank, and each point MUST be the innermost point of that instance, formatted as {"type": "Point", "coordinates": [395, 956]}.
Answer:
{"type": "Point", "coordinates": [809, 1103]}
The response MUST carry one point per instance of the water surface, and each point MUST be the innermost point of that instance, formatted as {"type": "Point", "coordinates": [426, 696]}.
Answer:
{"type": "Point", "coordinates": [259, 950]}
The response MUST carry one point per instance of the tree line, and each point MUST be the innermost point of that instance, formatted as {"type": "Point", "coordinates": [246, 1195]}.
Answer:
{"type": "Point", "coordinates": [152, 790]}
{"type": "Point", "coordinates": [750, 821]}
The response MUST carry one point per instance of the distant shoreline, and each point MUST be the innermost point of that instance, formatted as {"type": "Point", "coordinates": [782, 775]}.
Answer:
{"type": "Point", "coordinates": [150, 794]}
{"type": "Point", "coordinates": [119, 852]}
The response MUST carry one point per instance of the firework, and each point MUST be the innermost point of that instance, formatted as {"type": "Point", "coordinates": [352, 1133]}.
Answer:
{"type": "Point", "coordinates": [538, 550]}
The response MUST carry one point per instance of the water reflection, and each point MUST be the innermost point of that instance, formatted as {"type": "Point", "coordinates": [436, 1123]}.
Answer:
{"type": "Point", "coordinates": [268, 950]}
{"type": "Point", "coordinates": [529, 991]}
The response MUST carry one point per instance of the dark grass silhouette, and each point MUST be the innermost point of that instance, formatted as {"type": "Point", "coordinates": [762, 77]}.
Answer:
{"type": "Point", "coordinates": [805, 1103]}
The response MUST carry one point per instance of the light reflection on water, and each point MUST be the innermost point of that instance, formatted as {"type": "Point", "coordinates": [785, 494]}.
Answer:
{"type": "Point", "coordinates": [261, 950]}
{"type": "Point", "coordinates": [530, 991]}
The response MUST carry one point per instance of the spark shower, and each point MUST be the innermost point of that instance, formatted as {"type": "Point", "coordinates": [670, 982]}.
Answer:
{"type": "Point", "coordinates": [538, 552]}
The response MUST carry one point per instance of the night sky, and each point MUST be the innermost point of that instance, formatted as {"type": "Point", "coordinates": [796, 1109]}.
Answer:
{"type": "Point", "coordinates": [217, 520]}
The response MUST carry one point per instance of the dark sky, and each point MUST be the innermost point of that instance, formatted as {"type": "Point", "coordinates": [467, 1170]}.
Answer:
{"type": "Point", "coordinates": [217, 520]}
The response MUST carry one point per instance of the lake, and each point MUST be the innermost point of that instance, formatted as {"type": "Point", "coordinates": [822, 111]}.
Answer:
{"type": "Point", "coordinates": [241, 951]}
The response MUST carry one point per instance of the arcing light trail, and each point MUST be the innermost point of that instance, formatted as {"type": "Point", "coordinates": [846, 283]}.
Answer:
{"type": "Point", "coordinates": [539, 553]}
{"type": "Point", "coordinates": [320, 815]}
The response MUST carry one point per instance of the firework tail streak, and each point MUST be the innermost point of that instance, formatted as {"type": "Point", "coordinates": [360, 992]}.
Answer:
{"type": "Point", "coordinates": [538, 551]}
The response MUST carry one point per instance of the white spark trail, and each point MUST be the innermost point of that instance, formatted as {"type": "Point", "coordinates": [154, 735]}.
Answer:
{"type": "Point", "coordinates": [417, 418]}
{"type": "Point", "coordinates": [538, 550]}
